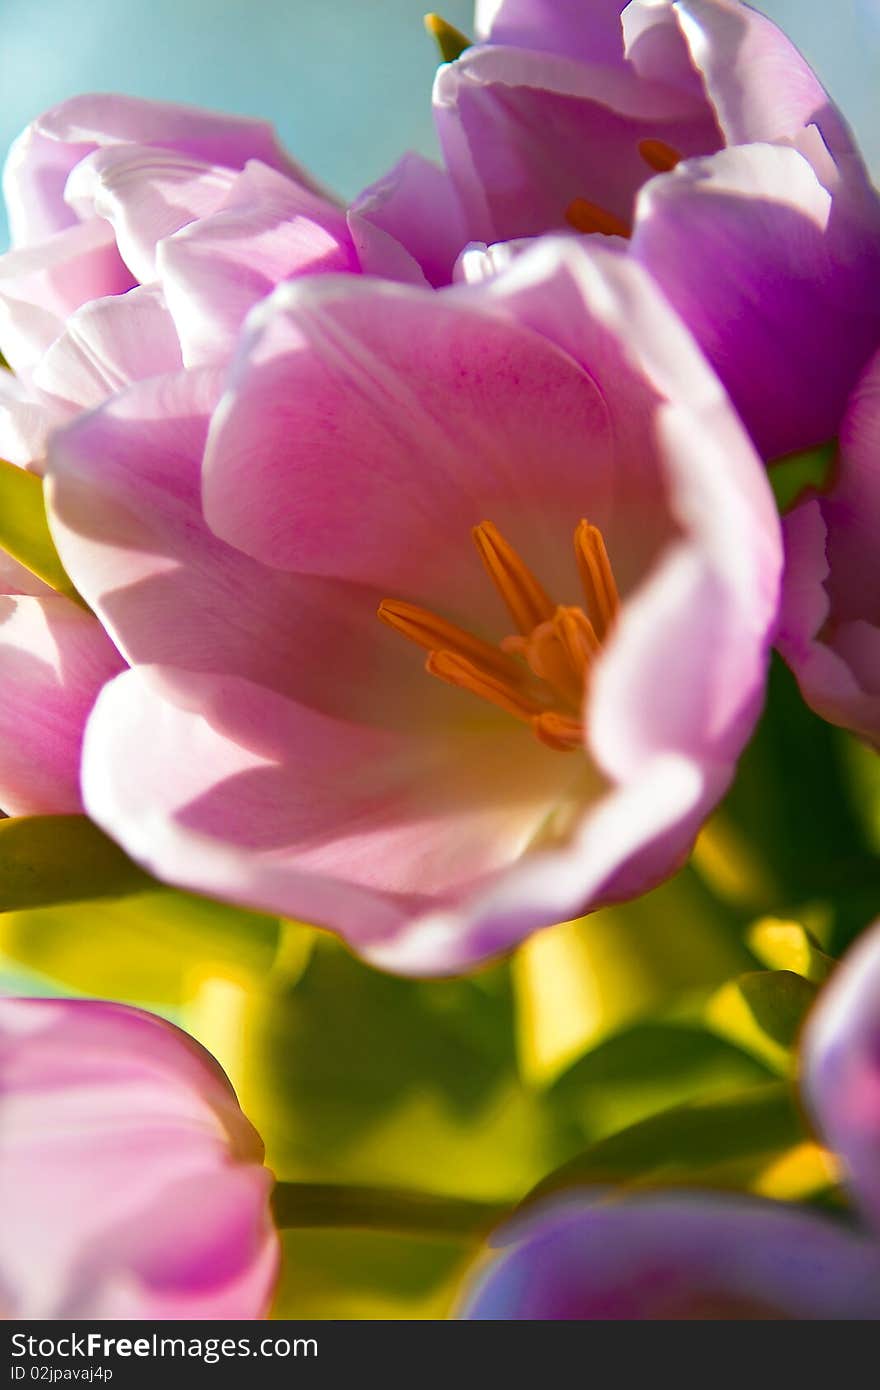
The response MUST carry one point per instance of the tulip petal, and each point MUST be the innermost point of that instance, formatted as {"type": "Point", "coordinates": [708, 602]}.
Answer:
{"type": "Point", "coordinates": [125, 510]}
{"type": "Point", "coordinates": [441, 418]}
{"type": "Point", "coordinates": [592, 32]}
{"type": "Point", "coordinates": [390, 228]}
{"type": "Point", "coordinates": [26, 420]}
{"type": "Point", "coordinates": [690, 1257]}
{"type": "Point", "coordinates": [157, 813]}
{"type": "Point", "coordinates": [54, 658]}
{"type": "Point", "coordinates": [851, 506]}
{"type": "Point", "coordinates": [772, 280]}
{"type": "Point", "coordinates": [106, 345]}
{"type": "Point", "coordinates": [145, 194]}
{"type": "Point", "coordinates": [267, 229]}
{"type": "Point", "coordinates": [623, 844]}
{"type": "Point", "coordinates": [828, 628]}
{"type": "Point", "coordinates": [40, 286]}
{"type": "Point", "coordinates": [43, 156]}
{"type": "Point", "coordinates": [290, 800]}
{"type": "Point", "coordinates": [758, 82]}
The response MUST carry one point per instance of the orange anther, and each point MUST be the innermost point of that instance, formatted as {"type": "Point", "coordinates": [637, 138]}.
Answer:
{"type": "Point", "coordinates": [432, 633]}
{"type": "Point", "coordinates": [458, 671]}
{"type": "Point", "coordinates": [597, 579]}
{"type": "Point", "coordinates": [538, 675]}
{"type": "Point", "coordinates": [585, 216]}
{"type": "Point", "coordinates": [659, 156]}
{"type": "Point", "coordinates": [526, 601]}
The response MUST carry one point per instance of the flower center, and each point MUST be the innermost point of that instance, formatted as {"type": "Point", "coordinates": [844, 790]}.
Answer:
{"type": "Point", "coordinates": [589, 217]}
{"type": "Point", "coordinates": [538, 674]}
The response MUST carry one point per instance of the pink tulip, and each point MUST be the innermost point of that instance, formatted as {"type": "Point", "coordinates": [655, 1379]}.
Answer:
{"type": "Point", "coordinates": [133, 1185]}
{"type": "Point", "coordinates": [829, 630]}
{"type": "Point", "coordinates": [613, 119]}
{"type": "Point", "coordinates": [595, 662]}
{"type": "Point", "coordinates": [548, 123]}
{"type": "Point", "coordinates": [204, 212]}
{"type": "Point", "coordinates": [87, 185]}
{"type": "Point", "coordinates": [562, 111]}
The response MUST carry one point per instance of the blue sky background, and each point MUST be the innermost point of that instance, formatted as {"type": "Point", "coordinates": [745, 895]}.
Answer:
{"type": "Point", "coordinates": [347, 82]}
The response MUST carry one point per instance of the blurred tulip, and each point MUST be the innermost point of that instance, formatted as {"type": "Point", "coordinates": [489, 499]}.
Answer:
{"type": "Point", "coordinates": [675, 1257]}
{"type": "Point", "coordinates": [133, 1186]}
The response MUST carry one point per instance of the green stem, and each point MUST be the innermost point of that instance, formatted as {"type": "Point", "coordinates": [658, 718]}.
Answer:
{"type": "Point", "coordinates": [302, 1204]}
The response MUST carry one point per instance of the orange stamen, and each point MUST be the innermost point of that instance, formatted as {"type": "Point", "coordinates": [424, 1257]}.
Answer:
{"type": "Point", "coordinates": [597, 579]}
{"type": "Point", "coordinates": [526, 601]}
{"type": "Point", "coordinates": [436, 634]}
{"type": "Point", "coordinates": [558, 731]}
{"type": "Point", "coordinates": [588, 217]}
{"type": "Point", "coordinates": [659, 156]}
{"type": "Point", "coordinates": [540, 674]}
{"type": "Point", "coordinates": [458, 671]}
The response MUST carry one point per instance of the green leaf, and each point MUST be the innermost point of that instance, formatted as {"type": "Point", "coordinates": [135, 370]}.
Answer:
{"type": "Point", "coordinates": [647, 1069]}
{"type": "Point", "coordinates": [60, 859]}
{"type": "Point", "coordinates": [698, 1142]}
{"type": "Point", "coordinates": [24, 530]}
{"type": "Point", "coordinates": [450, 41]}
{"type": "Point", "coordinates": [161, 948]}
{"type": "Point", "coordinates": [359, 1078]}
{"type": "Point", "coordinates": [371, 1082]}
{"type": "Point", "coordinates": [762, 1012]}
{"type": "Point", "coordinates": [862, 766]}
{"type": "Point", "coordinates": [791, 476]}
{"type": "Point", "coordinates": [790, 946]}
{"type": "Point", "coordinates": [579, 983]}
{"type": "Point", "coordinates": [370, 1275]}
